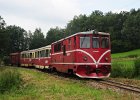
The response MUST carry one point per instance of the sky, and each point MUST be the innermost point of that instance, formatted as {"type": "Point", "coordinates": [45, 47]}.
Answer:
{"type": "Point", "coordinates": [46, 14]}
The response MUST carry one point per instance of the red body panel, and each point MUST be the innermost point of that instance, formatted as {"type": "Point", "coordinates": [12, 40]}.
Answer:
{"type": "Point", "coordinates": [26, 62]}
{"type": "Point", "coordinates": [42, 62]}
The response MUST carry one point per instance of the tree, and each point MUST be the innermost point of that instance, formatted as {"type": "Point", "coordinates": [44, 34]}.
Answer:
{"type": "Point", "coordinates": [37, 39]}
{"type": "Point", "coordinates": [3, 38]}
{"type": "Point", "coordinates": [55, 34]}
{"type": "Point", "coordinates": [2, 23]}
{"type": "Point", "coordinates": [131, 30]}
{"type": "Point", "coordinates": [78, 24]}
{"type": "Point", "coordinates": [17, 38]}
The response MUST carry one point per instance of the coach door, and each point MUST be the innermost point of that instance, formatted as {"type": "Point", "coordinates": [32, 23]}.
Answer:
{"type": "Point", "coordinates": [64, 56]}
{"type": "Point", "coordinates": [64, 50]}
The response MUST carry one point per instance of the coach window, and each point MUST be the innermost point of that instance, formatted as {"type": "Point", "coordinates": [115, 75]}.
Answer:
{"type": "Point", "coordinates": [30, 55]}
{"type": "Point", "coordinates": [26, 55]}
{"type": "Point", "coordinates": [95, 42]}
{"type": "Point", "coordinates": [44, 53]}
{"type": "Point", "coordinates": [104, 42]}
{"type": "Point", "coordinates": [22, 56]}
{"type": "Point", "coordinates": [47, 53]}
{"type": "Point", "coordinates": [35, 54]}
{"type": "Point", "coordinates": [41, 54]}
{"type": "Point", "coordinates": [85, 42]}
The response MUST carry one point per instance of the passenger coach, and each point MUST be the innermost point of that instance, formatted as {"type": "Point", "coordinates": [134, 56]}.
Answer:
{"type": "Point", "coordinates": [86, 54]}
{"type": "Point", "coordinates": [39, 58]}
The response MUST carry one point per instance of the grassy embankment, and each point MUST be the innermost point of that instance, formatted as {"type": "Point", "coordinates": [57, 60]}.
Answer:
{"type": "Point", "coordinates": [36, 85]}
{"type": "Point", "coordinates": [126, 64]}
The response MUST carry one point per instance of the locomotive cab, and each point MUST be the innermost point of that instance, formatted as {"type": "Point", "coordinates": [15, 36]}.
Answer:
{"type": "Point", "coordinates": [93, 55]}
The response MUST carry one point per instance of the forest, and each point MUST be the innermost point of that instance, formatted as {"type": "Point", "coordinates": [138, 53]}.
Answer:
{"type": "Point", "coordinates": [124, 28]}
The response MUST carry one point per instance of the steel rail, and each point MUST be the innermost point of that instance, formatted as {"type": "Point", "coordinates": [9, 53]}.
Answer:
{"type": "Point", "coordinates": [121, 85]}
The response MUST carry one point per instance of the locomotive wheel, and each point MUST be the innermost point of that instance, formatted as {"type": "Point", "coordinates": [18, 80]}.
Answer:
{"type": "Point", "coordinates": [70, 71]}
{"type": "Point", "coordinates": [52, 69]}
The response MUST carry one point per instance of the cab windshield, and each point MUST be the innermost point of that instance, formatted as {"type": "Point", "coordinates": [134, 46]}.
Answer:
{"type": "Point", "coordinates": [104, 42]}
{"type": "Point", "coordinates": [85, 42]}
{"type": "Point", "coordinates": [95, 42]}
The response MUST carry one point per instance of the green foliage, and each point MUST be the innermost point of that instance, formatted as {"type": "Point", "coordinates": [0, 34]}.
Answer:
{"type": "Point", "coordinates": [2, 23]}
{"type": "Point", "coordinates": [6, 60]}
{"type": "Point", "coordinates": [124, 28]}
{"type": "Point", "coordinates": [44, 86]}
{"type": "Point", "coordinates": [9, 79]}
{"type": "Point", "coordinates": [123, 69]}
{"type": "Point", "coordinates": [17, 38]}
{"type": "Point", "coordinates": [134, 53]}
{"type": "Point", "coordinates": [131, 30]}
{"type": "Point", "coordinates": [54, 34]}
{"type": "Point", "coordinates": [37, 39]}
{"type": "Point", "coordinates": [4, 38]}
{"type": "Point", "coordinates": [137, 68]}
{"type": "Point", "coordinates": [126, 64]}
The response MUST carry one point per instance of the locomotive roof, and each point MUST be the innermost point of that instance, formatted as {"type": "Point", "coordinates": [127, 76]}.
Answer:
{"type": "Point", "coordinates": [87, 32]}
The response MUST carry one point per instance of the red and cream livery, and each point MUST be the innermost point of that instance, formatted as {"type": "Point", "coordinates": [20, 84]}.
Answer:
{"type": "Point", "coordinates": [85, 54]}
{"type": "Point", "coordinates": [39, 58]}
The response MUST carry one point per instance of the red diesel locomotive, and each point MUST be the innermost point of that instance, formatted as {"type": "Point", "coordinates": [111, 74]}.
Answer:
{"type": "Point", "coordinates": [85, 54]}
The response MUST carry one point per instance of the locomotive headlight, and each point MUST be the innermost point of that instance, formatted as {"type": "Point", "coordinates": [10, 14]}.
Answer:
{"type": "Point", "coordinates": [106, 58]}
{"type": "Point", "coordinates": [85, 58]}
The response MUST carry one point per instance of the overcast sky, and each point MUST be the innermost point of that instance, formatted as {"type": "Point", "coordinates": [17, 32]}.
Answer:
{"type": "Point", "coordinates": [46, 14]}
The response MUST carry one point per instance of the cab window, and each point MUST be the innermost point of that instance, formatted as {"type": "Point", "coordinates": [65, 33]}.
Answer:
{"type": "Point", "coordinates": [85, 42]}
{"type": "Point", "coordinates": [95, 42]}
{"type": "Point", "coordinates": [104, 42]}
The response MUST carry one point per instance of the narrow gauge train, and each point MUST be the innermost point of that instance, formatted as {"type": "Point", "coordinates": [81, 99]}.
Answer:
{"type": "Point", "coordinates": [85, 54]}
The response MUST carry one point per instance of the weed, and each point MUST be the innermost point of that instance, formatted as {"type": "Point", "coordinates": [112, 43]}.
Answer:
{"type": "Point", "coordinates": [9, 79]}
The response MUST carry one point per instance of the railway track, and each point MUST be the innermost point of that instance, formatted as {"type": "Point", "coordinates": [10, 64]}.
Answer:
{"type": "Point", "coordinates": [121, 86]}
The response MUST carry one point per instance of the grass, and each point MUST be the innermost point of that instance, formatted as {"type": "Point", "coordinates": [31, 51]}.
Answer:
{"type": "Point", "coordinates": [123, 69]}
{"type": "Point", "coordinates": [129, 54]}
{"type": "Point", "coordinates": [137, 68]}
{"type": "Point", "coordinates": [9, 80]}
{"type": "Point", "coordinates": [37, 85]}
{"type": "Point", "coordinates": [126, 64]}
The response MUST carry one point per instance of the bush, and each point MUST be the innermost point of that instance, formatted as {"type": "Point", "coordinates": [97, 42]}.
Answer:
{"type": "Point", "coordinates": [137, 68]}
{"type": "Point", "coordinates": [6, 60]}
{"type": "Point", "coordinates": [133, 56]}
{"type": "Point", "coordinates": [122, 69]}
{"type": "Point", "coordinates": [9, 79]}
